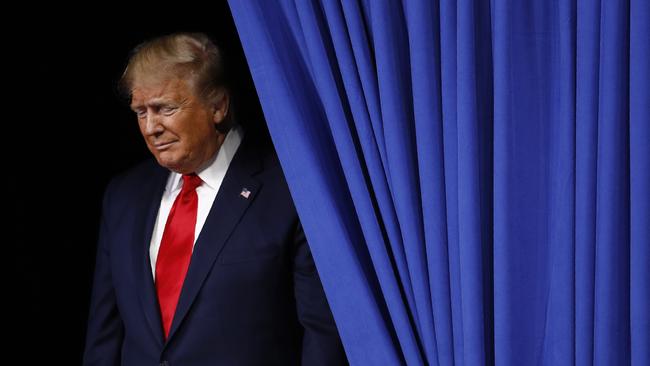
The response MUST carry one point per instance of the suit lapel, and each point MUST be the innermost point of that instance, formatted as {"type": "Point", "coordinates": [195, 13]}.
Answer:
{"type": "Point", "coordinates": [227, 209]}
{"type": "Point", "coordinates": [150, 204]}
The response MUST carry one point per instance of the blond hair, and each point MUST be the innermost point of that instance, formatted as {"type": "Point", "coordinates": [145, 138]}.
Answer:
{"type": "Point", "coordinates": [189, 56]}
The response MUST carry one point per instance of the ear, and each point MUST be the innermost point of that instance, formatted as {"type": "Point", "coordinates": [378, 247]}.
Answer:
{"type": "Point", "coordinates": [220, 106]}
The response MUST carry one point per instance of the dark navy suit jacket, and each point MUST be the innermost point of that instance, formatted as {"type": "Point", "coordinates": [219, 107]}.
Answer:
{"type": "Point", "coordinates": [251, 296]}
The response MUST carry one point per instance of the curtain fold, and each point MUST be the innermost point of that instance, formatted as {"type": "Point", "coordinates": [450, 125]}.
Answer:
{"type": "Point", "coordinates": [639, 170]}
{"type": "Point", "coordinates": [472, 176]}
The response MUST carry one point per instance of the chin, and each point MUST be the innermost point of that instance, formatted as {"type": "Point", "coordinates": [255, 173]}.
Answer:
{"type": "Point", "coordinates": [169, 164]}
{"type": "Point", "coordinates": [168, 161]}
{"type": "Point", "coordinates": [181, 165]}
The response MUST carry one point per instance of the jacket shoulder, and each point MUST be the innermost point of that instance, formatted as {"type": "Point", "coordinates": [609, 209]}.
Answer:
{"type": "Point", "coordinates": [134, 182]}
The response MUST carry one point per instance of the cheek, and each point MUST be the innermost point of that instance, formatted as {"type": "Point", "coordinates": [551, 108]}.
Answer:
{"type": "Point", "coordinates": [191, 131]}
{"type": "Point", "coordinates": [195, 134]}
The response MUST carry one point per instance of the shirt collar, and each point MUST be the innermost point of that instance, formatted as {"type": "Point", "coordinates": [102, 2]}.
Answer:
{"type": "Point", "coordinates": [213, 172]}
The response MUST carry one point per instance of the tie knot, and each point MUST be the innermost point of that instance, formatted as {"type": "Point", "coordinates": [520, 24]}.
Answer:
{"type": "Point", "coordinates": [191, 181]}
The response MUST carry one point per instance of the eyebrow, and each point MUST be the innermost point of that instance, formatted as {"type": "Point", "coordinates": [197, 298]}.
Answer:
{"type": "Point", "coordinates": [157, 103]}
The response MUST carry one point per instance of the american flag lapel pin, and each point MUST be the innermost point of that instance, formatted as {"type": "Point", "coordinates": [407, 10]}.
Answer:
{"type": "Point", "coordinates": [245, 193]}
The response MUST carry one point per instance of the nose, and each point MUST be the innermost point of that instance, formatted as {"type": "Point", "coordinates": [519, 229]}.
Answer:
{"type": "Point", "coordinates": [152, 125]}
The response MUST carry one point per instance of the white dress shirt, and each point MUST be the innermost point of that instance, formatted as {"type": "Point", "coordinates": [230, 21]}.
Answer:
{"type": "Point", "coordinates": [212, 175]}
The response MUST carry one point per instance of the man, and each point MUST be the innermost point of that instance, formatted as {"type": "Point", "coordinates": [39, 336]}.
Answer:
{"type": "Point", "coordinates": [201, 258]}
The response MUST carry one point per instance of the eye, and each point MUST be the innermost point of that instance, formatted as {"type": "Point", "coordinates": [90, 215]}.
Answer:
{"type": "Point", "coordinates": [140, 113]}
{"type": "Point", "coordinates": [168, 110]}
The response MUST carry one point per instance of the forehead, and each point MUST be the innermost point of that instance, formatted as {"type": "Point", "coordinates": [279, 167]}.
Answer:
{"type": "Point", "coordinates": [151, 90]}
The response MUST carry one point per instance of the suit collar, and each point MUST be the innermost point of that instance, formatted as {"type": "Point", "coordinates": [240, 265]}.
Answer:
{"type": "Point", "coordinates": [149, 204]}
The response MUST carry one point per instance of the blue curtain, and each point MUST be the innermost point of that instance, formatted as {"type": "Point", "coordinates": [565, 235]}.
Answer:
{"type": "Point", "coordinates": [472, 176]}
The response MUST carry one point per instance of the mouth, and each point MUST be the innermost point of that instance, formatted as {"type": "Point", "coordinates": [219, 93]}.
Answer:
{"type": "Point", "coordinates": [163, 146]}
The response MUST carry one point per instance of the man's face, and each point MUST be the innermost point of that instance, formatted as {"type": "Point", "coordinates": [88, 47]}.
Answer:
{"type": "Point", "coordinates": [177, 124]}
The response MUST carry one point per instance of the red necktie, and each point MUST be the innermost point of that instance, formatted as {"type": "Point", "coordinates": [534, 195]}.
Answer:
{"type": "Point", "coordinates": [176, 249]}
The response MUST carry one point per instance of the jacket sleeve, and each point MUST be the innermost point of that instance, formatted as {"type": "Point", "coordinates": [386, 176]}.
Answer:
{"type": "Point", "coordinates": [105, 330]}
{"type": "Point", "coordinates": [321, 344]}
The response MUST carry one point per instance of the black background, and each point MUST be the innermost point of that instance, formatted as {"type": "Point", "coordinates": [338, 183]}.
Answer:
{"type": "Point", "coordinates": [68, 132]}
